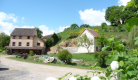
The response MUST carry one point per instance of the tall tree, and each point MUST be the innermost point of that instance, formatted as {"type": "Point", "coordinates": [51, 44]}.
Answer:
{"type": "Point", "coordinates": [85, 26]}
{"type": "Point", "coordinates": [84, 41]}
{"type": "Point", "coordinates": [113, 15]}
{"type": "Point", "coordinates": [55, 37]}
{"type": "Point", "coordinates": [4, 39]}
{"type": "Point", "coordinates": [74, 26]}
{"type": "Point", "coordinates": [39, 32]}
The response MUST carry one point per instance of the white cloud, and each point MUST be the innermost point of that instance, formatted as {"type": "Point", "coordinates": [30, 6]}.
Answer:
{"type": "Point", "coordinates": [6, 32]}
{"type": "Point", "coordinates": [62, 28]}
{"type": "Point", "coordinates": [92, 17]}
{"type": "Point", "coordinates": [8, 27]}
{"type": "Point", "coordinates": [4, 16]}
{"type": "Point", "coordinates": [123, 2]}
{"type": "Point", "coordinates": [45, 30]}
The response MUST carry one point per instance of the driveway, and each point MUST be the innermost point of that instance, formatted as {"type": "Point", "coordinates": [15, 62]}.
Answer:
{"type": "Point", "coordinates": [17, 70]}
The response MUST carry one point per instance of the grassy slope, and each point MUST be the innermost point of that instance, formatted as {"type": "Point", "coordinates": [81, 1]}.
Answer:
{"type": "Point", "coordinates": [65, 34]}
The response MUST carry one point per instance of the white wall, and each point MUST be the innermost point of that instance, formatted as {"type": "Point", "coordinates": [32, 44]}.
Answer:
{"type": "Point", "coordinates": [92, 48]}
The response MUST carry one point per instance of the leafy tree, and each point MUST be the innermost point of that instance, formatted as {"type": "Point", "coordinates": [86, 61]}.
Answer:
{"type": "Point", "coordinates": [39, 32]}
{"type": "Point", "coordinates": [49, 42]}
{"type": "Point", "coordinates": [131, 36]}
{"type": "Point", "coordinates": [101, 40]}
{"type": "Point", "coordinates": [84, 41]}
{"type": "Point", "coordinates": [31, 53]}
{"type": "Point", "coordinates": [65, 56]}
{"type": "Point", "coordinates": [103, 25]}
{"type": "Point", "coordinates": [55, 37]}
{"type": "Point", "coordinates": [113, 15]}
{"type": "Point", "coordinates": [4, 40]}
{"type": "Point", "coordinates": [74, 26]}
{"type": "Point", "coordinates": [84, 26]}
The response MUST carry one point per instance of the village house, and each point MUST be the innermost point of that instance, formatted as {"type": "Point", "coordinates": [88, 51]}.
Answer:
{"type": "Point", "coordinates": [91, 34]}
{"type": "Point", "coordinates": [22, 40]}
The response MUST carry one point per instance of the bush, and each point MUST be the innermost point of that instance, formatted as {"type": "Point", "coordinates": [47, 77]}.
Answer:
{"type": "Point", "coordinates": [101, 58]}
{"type": "Point", "coordinates": [0, 50]}
{"type": "Point", "coordinates": [103, 25]}
{"type": "Point", "coordinates": [73, 35]}
{"type": "Point", "coordinates": [49, 42]}
{"type": "Point", "coordinates": [120, 27]}
{"type": "Point", "coordinates": [65, 56]}
{"type": "Point", "coordinates": [31, 53]}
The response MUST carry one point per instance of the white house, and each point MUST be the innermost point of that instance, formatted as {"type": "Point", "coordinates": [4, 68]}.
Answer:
{"type": "Point", "coordinates": [90, 34]}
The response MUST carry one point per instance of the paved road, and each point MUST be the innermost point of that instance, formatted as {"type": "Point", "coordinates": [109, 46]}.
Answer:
{"type": "Point", "coordinates": [17, 70]}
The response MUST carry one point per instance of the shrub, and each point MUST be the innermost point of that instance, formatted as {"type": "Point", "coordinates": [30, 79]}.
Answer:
{"type": "Point", "coordinates": [49, 42]}
{"type": "Point", "coordinates": [65, 56]}
{"type": "Point", "coordinates": [100, 56]}
{"type": "Point", "coordinates": [120, 27]}
{"type": "Point", "coordinates": [0, 50]}
{"type": "Point", "coordinates": [31, 53]}
{"type": "Point", "coordinates": [103, 25]}
{"type": "Point", "coordinates": [73, 35]}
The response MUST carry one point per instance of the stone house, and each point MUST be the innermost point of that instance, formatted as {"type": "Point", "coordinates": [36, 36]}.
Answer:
{"type": "Point", "coordinates": [22, 40]}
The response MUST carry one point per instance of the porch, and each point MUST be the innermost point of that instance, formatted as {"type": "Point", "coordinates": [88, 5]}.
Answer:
{"type": "Point", "coordinates": [21, 50]}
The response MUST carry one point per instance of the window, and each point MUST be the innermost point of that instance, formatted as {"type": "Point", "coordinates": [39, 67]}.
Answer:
{"type": "Point", "coordinates": [27, 44]}
{"type": "Point", "coordinates": [38, 44]}
{"type": "Point", "coordinates": [13, 43]}
{"type": "Point", "coordinates": [20, 44]}
{"type": "Point", "coordinates": [14, 37]}
{"type": "Point", "coordinates": [28, 37]}
{"type": "Point", "coordinates": [20, 37]}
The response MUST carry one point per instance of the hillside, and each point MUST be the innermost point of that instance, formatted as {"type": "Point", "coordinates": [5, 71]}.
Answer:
{"type": "Point", "coordinates": [110, 31]}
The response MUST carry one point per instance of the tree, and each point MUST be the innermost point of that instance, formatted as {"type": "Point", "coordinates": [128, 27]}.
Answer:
{"type": "Point", "coordinates": [132, 34]}
{"type": "Point", "coordinates": [113, 15]}
{"type": "Point", "coordinates": [84, 26]}
{"type": "Point", "coordinates": [49, 42]}
{"type": "Point", "coordinates": [55, 37]}
{"type": "Point", "coordinates": [74, 26]}
{"type": "Point", "coordinates": [101, 40]}
{"type": "Point", "coordinates": [4, 40]}
{"type": "Point", "coordinates": [39, 32]}
{"type": "Point", "coordinates": [84, 41]}
{"type": "Point", "coordinates": [103, 25]}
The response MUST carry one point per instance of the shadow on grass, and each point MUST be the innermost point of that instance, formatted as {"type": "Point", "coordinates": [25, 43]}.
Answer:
{"type": "Point", "coordinates": [3, 69]}
{"type": "Point", "coordinates": [73, 64]}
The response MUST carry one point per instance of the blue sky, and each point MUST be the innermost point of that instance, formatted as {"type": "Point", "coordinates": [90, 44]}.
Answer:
{"type": "Point", "coordinates": [52, 15]}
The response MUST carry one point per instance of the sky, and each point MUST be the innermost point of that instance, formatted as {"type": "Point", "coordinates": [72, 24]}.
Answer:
{"type": "Point", "coordinates": [52, 15]}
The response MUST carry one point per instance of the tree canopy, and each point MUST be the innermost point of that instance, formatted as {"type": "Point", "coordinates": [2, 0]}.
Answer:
{"type": "Point", "coordinates": [4, 40]}
{"type": "Point", "coordinates": [85, 26]}
{"type": "Point", "coordinates": [39, 32]}
{"type": "Point", "coordinates": [74, 26]}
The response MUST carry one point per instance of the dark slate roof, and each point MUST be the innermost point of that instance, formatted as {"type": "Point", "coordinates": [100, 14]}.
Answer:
{"type": "Point", "coordinates": [95, 34]}
{"type": "Point", "coordinates": [48, 36]}
{"type": "Point", "coordinates": [32, 48]}
{"type": "Point", "coordinates": [24, 32]}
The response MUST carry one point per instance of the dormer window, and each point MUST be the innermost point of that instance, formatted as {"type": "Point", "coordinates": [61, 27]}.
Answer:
{"type": "Point", "coordinates": [28, 37]}
{"type": "Point", "coordinates": [38, 44]}
{"type": "Point", "coordinates": [20, 37]}
{"type": "Point", "coordinates": [14, 37]}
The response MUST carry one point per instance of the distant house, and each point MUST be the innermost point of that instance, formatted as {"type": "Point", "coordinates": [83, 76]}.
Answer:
{"type": "Point", "coordinates": [91, 34]}
{"type": "Point", "coordinates": [22, 40]}
{"type": "Point", "coordinates": [47, 36]}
